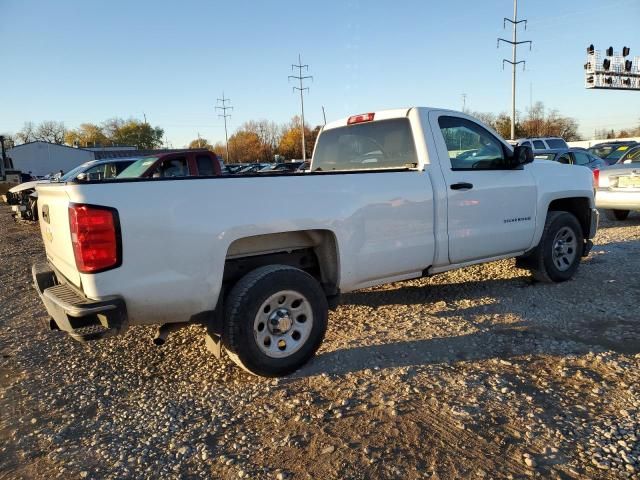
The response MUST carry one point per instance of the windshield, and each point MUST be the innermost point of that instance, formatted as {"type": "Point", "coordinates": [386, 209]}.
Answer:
{"type": "Point", "coordinates": [71, 174]}
{"type": "Point", "coordinates": [138, 167]}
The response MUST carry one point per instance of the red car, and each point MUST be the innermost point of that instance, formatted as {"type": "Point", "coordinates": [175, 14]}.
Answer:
{"type": "Point", "coordinates": [190, 163]}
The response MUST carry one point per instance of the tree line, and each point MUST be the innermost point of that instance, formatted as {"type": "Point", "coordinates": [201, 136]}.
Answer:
{"type": "Point", "coordinates": [112, 132]}
{"type": "Point", "coordinates": [538, 122]}
{"type": "Point", "coordinates": [266, 141]}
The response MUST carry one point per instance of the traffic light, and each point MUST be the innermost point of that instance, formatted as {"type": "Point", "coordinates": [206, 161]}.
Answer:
{"type": "Point", "coordinates": [626, 51]}
{"type": "Point", "coordinates": [591, 49]}
{"type": "Point", "coordinates": [606, 64]}
{"type": "Point", "coordinates": [627, 65]}
{"type": "Point", "coordinates": [610, 52]}
{"type": "Point", "coordinates": [608, 81]}
{"type": "Point", "coordinates": [627, 82]}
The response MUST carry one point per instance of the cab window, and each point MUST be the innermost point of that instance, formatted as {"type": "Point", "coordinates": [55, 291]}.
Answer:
{"type": "Point", "coordinates": [383, 144]}
{"type": "Point", "coordinates": [205, 165]}
{"type": "Point", "coordinates": [174, 167]}
{"type": "Point", "coordinates": [470, 146]}
{"type": "Point", "coordinates": [539, 145]}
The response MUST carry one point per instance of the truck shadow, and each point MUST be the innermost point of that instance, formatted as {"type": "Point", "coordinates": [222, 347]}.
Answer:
{"type": "Point", "coordinates": [527, 335]}
{"type": "Point", "coordinates": [494, 343]}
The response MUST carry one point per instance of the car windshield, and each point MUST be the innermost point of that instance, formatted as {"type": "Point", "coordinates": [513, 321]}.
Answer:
{"type": "Point", "coordinates": [138, 167]}
{"type": "Point", "coordinates": [71, 174]}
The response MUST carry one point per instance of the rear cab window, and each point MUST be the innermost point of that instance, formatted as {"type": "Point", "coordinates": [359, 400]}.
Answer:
{"type": "Point", "coordinates": [378, 145]}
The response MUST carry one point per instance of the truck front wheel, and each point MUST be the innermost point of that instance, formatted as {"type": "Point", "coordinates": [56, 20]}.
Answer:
{"type": "Point", "coordinates": [276, 318]}
{"type": "Point", "coordinates": [557, 256]}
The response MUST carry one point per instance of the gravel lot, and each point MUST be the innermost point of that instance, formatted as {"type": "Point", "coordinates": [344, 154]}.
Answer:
{"type": "Point", "coordinates": [477, 373]}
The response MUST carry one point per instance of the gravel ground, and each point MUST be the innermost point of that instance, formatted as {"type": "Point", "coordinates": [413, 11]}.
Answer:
{"type": "Point", "coordinates": [477, 373]}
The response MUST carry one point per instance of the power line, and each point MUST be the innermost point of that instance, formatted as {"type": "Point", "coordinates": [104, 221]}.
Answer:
{"type": "Point", "coordinates": [514, 59]}
{"type": "Point", "coordinates": [301, 88]}
{"type": "Point", "coordinates": [225, 115]}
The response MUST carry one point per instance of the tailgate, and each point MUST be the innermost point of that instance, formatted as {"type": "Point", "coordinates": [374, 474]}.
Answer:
{"type": "Point", "coordinates": [53, 211]}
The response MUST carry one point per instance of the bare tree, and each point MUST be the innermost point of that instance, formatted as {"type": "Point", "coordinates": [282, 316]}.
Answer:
{"type": "Point", "coordinates": [27, 134]}
{"type": "Point", "coordinates": [50, 131]}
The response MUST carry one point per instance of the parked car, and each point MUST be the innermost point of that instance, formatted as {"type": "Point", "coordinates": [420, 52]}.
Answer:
{"type": "Point", "coordinates": [618, 188]}
{"type": "Point", "coordinates": [282, 167]}
{"type": "Point", "coordinates": [25, 198]}
{"type": "Point", "coordinates": [611, 152]}
{"type": "Point", "coordinates": [573, 156]}
{"type": "Point", "coordinates": [253, 168]}
{"type": "Point", "coordinates": [378, 205]}
{"type": "Point", "coordinates": [233, 168]}
{"type": "Point", "coordinates": [543, 143]}
{"type": "Point", "coordinates": [190, 163]}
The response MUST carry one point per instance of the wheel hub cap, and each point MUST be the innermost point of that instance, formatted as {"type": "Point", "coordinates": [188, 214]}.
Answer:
{"type": "Point", "coordinates": [280, 321]}
{"type": "Point", "coordinates": [283, 323]}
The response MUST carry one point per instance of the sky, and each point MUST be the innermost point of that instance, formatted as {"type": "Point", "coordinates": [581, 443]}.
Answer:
{"type": "Point", "coordinates": [87, 61]}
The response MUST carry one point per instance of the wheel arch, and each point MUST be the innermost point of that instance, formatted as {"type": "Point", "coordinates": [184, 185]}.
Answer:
{"type": "Point", "coordinates": [314, 251]}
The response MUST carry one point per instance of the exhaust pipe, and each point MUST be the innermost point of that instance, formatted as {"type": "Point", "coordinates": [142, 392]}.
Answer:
{"type": "Point", "coordinates": [163, 332]}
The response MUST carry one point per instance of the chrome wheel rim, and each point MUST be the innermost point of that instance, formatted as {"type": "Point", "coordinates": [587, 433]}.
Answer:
{"type": "Point", "coordinates": [565, 249]}
{"type": "Point", "coordinates": [283, 324]}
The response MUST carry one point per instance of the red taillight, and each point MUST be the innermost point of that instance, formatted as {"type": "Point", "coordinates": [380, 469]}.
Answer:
{"type": "Point", "coordinates": [95, 237]}
{"type": "Point", "coordinates": [596, 178]}
{"type": "Point", "coordinates": [365, 117]}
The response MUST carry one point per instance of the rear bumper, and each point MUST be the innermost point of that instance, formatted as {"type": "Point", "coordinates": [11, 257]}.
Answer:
{"type": "Point", "coordinates": [83, 318]}
{"type": "Point", "coordinates": [617, 200]}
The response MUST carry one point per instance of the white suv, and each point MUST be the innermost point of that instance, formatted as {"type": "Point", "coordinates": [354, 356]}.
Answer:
{"type": "Point", "coordinates": [546, 143]}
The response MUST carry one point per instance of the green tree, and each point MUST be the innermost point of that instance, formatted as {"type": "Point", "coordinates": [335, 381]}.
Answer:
{"type": "Point", "coordinates": [200, 143]}
{"type": "Point", "coordinates": [86, 135]}
{"type": "Point", "coordinates": [133, 132]}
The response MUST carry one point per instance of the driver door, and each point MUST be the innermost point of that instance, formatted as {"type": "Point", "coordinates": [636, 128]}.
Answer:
{"type": "Point", "coordinates": [491, 207]}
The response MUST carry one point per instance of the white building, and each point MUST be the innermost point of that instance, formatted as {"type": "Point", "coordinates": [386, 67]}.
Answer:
{"type": "Point", "coordinates": [42, 158]}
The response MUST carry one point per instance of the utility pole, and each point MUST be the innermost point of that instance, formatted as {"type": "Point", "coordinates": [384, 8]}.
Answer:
{"type": "Point", "coordinates": [324, 115]}
{"type": "Point", "coordinates": [301, 88]}
{"type": "Point", "coordinates": [514, 60]}
{"type": "Point", "coordinates": [464, 102]}
{"type": "Point", "coordinates": [223, 106]}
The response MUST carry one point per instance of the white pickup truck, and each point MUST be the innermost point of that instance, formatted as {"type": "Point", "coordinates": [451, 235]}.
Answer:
{"type": "Point", "coordinates": [259, 260]}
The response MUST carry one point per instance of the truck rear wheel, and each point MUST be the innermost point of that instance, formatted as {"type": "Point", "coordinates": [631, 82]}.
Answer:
{"type": "Point", "coordinates": [276, 318]}
{"type": "Point", "coordinates": [617, 214]}
{"type": "Point", "coordinates": [557, 256]}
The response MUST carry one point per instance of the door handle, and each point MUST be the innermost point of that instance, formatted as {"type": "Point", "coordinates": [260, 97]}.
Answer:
{"type": "Point", "coordinates": [462, 186]}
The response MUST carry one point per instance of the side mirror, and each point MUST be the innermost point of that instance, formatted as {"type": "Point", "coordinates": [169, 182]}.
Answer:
{"type": "Point", "coordinates": [521, 155]}
{"type": "Point", "coordinates": [627, 161]}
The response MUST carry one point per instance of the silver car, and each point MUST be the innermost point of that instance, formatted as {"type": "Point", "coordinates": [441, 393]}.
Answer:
{"type": "Point", "coordinates": [618, 188]}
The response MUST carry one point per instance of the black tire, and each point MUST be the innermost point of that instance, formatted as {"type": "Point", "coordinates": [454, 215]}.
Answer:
{"type": "Point", "coordinates": [617, 214]}
{"type": "Point", "coordinates": [542, 263]}
{"type": "Point", "coordinates": [245, 311]}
